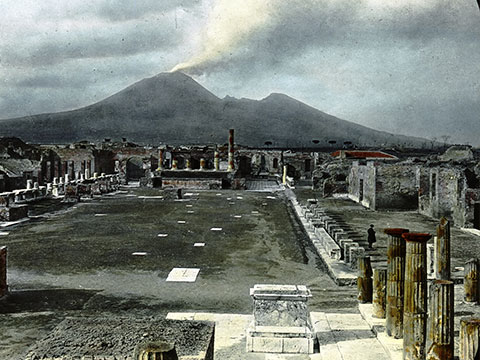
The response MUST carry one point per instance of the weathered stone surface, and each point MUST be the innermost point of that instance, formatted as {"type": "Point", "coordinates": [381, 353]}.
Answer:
{"type": "Point", "coordinates": [281, 320]}
{"type": "Point", "coordinates": [364, 280]}
{"type": "Point", "coordinates": [117, 337]}
{"type": "Point", "coordinates": [415, 304]}
{"type": "Point", "coordinates": [395, 281]}
{"type": "Point", "coordinates": [471, 280]}
{"type": "Point", "coordinates": [469, 339]}
{"type": "Point", "coordinates": [440, 328]}
{"type": "Point", "coordinates": [379, 298]}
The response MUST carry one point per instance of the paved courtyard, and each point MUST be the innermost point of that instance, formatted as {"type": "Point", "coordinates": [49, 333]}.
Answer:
{"type": "Point", "coordinates": [115, 254]}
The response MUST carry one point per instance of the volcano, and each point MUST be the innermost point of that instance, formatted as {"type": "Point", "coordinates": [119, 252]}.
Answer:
{"type": "Point", "coordinates": [172, 108]}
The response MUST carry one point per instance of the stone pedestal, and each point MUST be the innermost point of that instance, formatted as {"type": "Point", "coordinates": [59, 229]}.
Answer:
{"type": "Point", "coordinates": [281, 320]}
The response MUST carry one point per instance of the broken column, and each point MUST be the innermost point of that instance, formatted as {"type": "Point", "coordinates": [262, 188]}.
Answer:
{"type": "Point", "coordinates": [395, 281]}
{"type": "Point", "coordinates": [174, 164]}
{"type": "Point", "coordinates": [231, 150]}
{"type": "Point", "coordinates": [160, 160]}
{"type": "Point", "coordinates": [88, 169]}
{"type": "Point", "coordinates": [203, 164]}
{"type": "Point", "coordinates": [442, 250]}
{"type": "Point", "coordinates": [379, 293]}
{"type": "Point", "coordinates": [471, 281]}
{"type": "Point", "coordinates": [3, 271]}
{"type": "Point", "coordinates": [281, 320]}
{"type": "Point", "coordinates": [29, 184]}
{"type": "Point", "coordinates": [217, 161]}
{"type": "Point", "coordinates": [160, 350]}
{"type": "Point", "coordinates": [364, 280]}
{"type": "Point", "coordinates": [188, 165]}
{"type": "Point", "coordinates": [440, 330]}
{"type": "Point", "coordinates": [415, 303]}
{"type": "Point", "coordinates": [469, 339]}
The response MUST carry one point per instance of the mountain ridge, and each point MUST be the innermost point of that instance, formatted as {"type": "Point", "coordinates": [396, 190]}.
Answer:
{"type": "Point", "coordinates": [174, 108]}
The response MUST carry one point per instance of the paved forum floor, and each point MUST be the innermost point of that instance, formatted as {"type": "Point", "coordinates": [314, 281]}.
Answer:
{"type": "Point", "coordinates": [81, 261]}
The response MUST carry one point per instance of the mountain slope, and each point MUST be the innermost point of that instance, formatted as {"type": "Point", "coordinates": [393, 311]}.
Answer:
{"type": "Point", "coordinates": [173, 108]}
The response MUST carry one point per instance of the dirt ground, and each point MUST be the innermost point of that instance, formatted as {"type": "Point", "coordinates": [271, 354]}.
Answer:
{"type": "Point", "coordinates": [78, 260]}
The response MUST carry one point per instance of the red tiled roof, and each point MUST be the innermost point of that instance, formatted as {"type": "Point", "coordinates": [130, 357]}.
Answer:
{"type": "Point", "coordinates": [363, 154]}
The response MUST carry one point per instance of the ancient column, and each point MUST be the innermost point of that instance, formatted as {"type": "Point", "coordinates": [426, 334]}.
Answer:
{"type": "Point", "coordinates": [231, 150]}
{"type": "Point", "coordinates": [188, 166]}
{"type": "Point", "coordinates": [88, 169]}
{"type": "Point", "coordinates": [442, 250]}
{"type": "Point", "coordinates": [29, 184]}
{"type": "Point", "coordinates": [203, 164]}
{"type": "Point", "coordinates": [158, 350]}
{"type": "Point", "coordinates": [415, 301]}
{"type": "Point", "coordinates": [217, 161]}
{"type": "Point", "coordinates": [471, 281]}
{"type": "Point", "coordinates": [284, 178]}
{"type": "Point", "coordinates": [174, 164]}
{"type": "Point", "coordinates": [469, 339]}
{"type": "Point", "coordinates": [3, 271]}
{"type": "Point", "coordinates": [395, 281]}
{"type": "Point", "coordinates": [379, 293]}
{"type": "Point", "coordinates": [160, 160]}
{"type": "Point", "coordinates": [440, 329]}
{"type": "Point", "coordinates": [364, 280]}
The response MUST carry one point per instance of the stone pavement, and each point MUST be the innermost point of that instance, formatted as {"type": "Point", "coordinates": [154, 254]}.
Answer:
{"type": "Point", "coordinates": [341, 337]}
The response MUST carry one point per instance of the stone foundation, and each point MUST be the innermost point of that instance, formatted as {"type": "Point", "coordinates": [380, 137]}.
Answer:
{"type": "Point", "coordinates": [118, 337]}
{"type": "Point", "coordinates": [13, 213]}
{"type": "Point", "coordinates": [281, 320]}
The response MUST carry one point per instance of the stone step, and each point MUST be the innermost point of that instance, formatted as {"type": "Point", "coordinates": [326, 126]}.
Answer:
{"type": "Point", "coordinates": [345, 336]}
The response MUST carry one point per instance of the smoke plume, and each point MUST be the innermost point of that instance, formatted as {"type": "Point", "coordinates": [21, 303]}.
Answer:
{"type": "Point", "coordinates": [232, 23]}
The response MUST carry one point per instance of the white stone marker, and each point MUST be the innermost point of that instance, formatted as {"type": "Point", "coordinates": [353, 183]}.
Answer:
{"type": "Point", "coordinates": [189, 205]}
{"type": "Point", "coordinates": [139, 253]}
{"type": "Point", "coordinates": [100, 214]}
{"type": "Point", "coordinates": [199, 244]}
{"type": "Point", "coordinates": [181, 222]}
{"type": "Point", "coordinates": [237, 216]}
{"type": "Point", "coordinates": [183, 275]}
{"type": "Point", "coordinates": [216, 229]}
{"type": "Point", "coordinates": [4, 233]}
{"type": "Point", "coordinates": [162, 235]}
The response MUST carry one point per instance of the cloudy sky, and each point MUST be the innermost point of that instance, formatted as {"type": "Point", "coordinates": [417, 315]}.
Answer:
{"type": "Point", "coordinates": [405, 66]}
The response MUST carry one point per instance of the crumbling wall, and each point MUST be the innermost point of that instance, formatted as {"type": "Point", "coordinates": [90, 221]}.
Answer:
{"type": "Point", "coordinates": [396, 187]}
{"type": "Point", "coordinates": [361, 184]}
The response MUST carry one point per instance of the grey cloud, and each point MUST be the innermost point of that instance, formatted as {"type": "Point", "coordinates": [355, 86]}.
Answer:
{"type": "Point", "coordinates": [122, 10]}
{"type": "Point", "coordinates": [120, 41]}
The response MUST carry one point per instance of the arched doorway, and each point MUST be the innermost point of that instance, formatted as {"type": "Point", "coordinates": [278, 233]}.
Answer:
{"type": "Point", "coordinates": [134, 168]}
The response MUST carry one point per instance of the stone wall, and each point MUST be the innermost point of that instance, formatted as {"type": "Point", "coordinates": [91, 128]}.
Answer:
{"type": "Point", "coordinates": [396, 187]}
{"type": "Point", "coordinates": [384, 186]}
{"type": "Point", "coordinates": [3, 271]}
{"type": "Point", "coordinates": [361, 184]}
{"type": "Point", "coordinates": [444, 191]}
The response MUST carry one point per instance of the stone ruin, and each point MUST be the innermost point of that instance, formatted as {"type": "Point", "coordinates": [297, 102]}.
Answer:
{"type": "Point", "coordinates": [281, 320]}
{"type": "Point", "coordinates": [126, 338]}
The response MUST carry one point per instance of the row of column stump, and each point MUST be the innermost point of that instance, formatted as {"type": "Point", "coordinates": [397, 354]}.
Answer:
{"type": "Point", "coordinates": [398, 294]}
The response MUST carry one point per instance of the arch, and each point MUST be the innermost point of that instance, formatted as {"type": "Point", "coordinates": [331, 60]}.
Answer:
{"type": "Point", "coordinates": [134, 168]}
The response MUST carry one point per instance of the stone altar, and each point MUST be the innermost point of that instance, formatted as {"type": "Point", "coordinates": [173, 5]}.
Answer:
{"type": "Point", "coordinates": [281, 320]}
